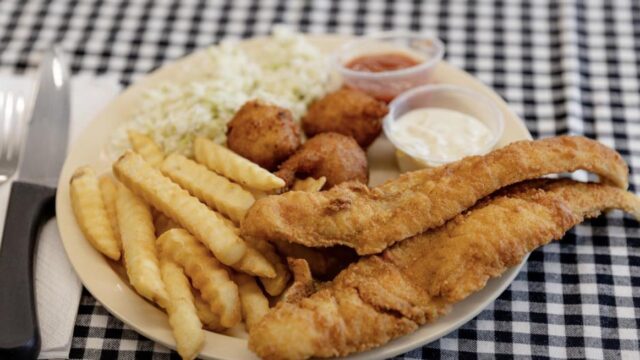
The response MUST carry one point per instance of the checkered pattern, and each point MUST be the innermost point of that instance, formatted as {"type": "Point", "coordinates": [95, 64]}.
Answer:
{"type": "Point", "coordinates": [566, 66]}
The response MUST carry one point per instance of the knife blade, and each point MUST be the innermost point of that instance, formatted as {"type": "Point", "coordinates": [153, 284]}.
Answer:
{"type": "Point", "coordinates": [31, 203]}
{"type": "Point", "coordinates": [49, 125]}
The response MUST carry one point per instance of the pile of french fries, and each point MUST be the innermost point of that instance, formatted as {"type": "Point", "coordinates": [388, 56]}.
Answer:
{"type": "Point", "coordinates": [173, 222]}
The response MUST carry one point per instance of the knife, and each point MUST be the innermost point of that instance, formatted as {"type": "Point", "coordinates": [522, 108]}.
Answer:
{"type": "Point", "coordinates": [31, 203]}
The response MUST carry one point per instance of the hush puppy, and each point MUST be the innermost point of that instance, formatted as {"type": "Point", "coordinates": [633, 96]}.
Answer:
{"type": "Point", "coordinates": [334, 156]}
{"type": "Point", "coordinates": [263, 133]}
{"type": "Point", "coordinates": [348, 112]}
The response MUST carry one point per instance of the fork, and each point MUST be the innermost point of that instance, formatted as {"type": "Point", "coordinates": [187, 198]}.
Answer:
{"type": "Point", "coordinates": [12, 108]}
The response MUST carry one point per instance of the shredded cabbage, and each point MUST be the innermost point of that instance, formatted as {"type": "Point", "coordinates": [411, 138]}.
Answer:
{"type": "Point", "coordinates": [290, 73]}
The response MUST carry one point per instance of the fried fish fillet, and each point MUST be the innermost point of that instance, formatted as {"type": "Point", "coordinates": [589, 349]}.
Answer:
{"type": "Point", "coordinates": [324, 263]}
{"type": "Point", "coordinates": [303, 284]}
{"type": "Point", "coordinates": [369, 220]}
{"type": "Point", "coordinates": [385, 296]}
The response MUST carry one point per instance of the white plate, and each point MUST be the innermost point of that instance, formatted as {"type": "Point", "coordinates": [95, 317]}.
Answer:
{"type": "Point", "coordinates": [110, 288]}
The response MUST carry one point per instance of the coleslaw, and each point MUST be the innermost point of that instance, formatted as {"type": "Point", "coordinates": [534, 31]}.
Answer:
{"type": "Point", "coordinates": [289, 73]}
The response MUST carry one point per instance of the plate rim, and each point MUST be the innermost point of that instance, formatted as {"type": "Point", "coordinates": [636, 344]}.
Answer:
{"type": "Point", "coordinates": [163, 335]}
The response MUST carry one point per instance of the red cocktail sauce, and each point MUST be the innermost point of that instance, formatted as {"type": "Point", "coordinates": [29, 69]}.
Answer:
{"type": "Point", "coordinates": [382, 62]}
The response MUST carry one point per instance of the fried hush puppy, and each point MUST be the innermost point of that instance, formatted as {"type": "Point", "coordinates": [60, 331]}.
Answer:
{"type": "Point", "coordinates": [348, 112]}
{"type": "Point", "coordinates": [332, 155]}
{"type": "Point", "coordinates": [263, 133]}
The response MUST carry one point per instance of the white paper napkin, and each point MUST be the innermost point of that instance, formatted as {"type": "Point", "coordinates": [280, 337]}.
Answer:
{"type": "Point", "coordinates": [58, 289]}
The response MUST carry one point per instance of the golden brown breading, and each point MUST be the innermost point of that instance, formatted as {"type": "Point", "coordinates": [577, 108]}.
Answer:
{"type": "Point", "coordinates": [303, 284]}
{"type": "Point", "coordinates": [324, 263]}
{"type": "Point", "coordinates": [369, 220]}
{"type": "Point", "coordinates": [382, 297]}
{"type": "Point", "coordinates": [263, 133]}
{"type": "Point", "coordinates": [349, 112]}
{"type": "Point", "coordinates": [336, 157]}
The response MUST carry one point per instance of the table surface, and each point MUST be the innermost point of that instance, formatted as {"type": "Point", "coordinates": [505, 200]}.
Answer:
{"type": "Point", "coordinates": [564, 66]}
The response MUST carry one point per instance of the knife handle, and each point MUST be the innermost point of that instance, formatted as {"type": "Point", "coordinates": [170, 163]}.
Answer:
{"type": "Point", "coordinates": [29, 207]}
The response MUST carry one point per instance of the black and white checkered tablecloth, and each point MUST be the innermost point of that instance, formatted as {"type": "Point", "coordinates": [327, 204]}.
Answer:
{"type": "Point", "coordinates": [565, 66]}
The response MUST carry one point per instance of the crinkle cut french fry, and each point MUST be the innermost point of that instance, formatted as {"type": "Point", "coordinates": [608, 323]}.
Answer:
{"type": "Point", "coordinates": [259, 194]}
{"type": "Point", "coordinates": [254, 304]}
{"type": "Point", "coordinates": [183, 316]}
{"type": "Point", "coordinates": [138, 244]}
{"type": "Point", "coordinates": [109, 191]}
{"type": "Point", "coordinates": [254, 263]}
{"type": "Point", "coordinates": [206, 274]}
{"type": "Point", "coordinates": [209, 319]}
{"type": "Point", "coordinates": [91, 213]}
{"type": "Point", "coordinates": [163, 223]}
{"type": "Point", "coordinates": [175, 202]}
{"type": "Point", "coordinates": [309, 184]}
{"type": "Point", "coordinates": [214, 190]}
{"type": "Point", "coordinates": [273, 286]}
{"type": "Point", "coordinates": [146, 147]}
{"type": "Point", "coordinates": [233, 166]}
{"type": "Point", "coordinates": [230, 224]}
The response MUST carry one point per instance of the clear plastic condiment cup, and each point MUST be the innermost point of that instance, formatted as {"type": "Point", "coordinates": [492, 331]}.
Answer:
{"type": "Point", "coordinates": [448, 97]}
{"type": "Point", "coordinates": [386, 85]}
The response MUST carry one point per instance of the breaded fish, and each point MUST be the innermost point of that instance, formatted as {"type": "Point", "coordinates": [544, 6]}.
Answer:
{"type": "Point", "coordinates": [385, 296]}
{"type": "Point", "coordinates": [324, 263]}
{"type": "Point", "coordinates": [370, 220]}
{"type": "Point", "coordinates": [303, 284]}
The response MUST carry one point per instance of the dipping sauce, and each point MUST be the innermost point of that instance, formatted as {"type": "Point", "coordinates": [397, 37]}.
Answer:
{"type": "Point", "coordinates": [382, 62]}
{"type": "Point", "coordinates": [441, 135]}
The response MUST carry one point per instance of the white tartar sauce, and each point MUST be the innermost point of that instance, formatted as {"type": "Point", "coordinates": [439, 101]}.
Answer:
{"type": "Point", "coordinates": [441, 135]}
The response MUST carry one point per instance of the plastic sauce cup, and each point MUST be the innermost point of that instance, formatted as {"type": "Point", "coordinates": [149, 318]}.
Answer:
{"type": "Point", "coordinates": [386, 85]}
{"type": "Point", "coordinates": [441, 96]}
